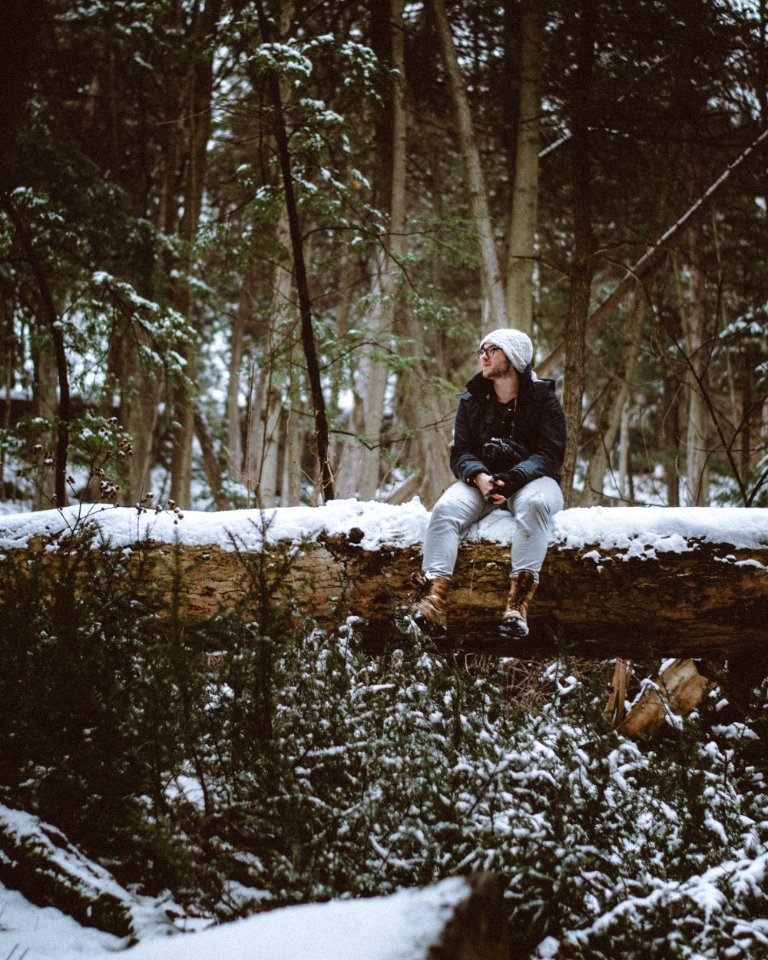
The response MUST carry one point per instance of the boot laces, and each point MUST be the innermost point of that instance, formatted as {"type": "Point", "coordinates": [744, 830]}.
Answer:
{"type": "Point", "coordinates": [420, 584]}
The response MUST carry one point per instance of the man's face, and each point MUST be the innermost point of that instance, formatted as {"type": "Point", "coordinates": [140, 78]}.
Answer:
{"type": "Point", "coordinates": [493, 362]}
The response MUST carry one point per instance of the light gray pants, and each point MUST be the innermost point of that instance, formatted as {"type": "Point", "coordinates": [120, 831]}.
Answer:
{"type": "Point", "coordinates": [462, 505]}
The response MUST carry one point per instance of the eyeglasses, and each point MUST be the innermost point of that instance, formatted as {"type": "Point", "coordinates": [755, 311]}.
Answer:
{"type": "Point", "coordinates": [487, 352]}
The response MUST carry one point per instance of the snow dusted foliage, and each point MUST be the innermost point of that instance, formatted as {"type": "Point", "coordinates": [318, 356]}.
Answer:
{"type": "Point", "coordinates": [405, 773]}
{"type": "Point", "coordinates": [258, 760]}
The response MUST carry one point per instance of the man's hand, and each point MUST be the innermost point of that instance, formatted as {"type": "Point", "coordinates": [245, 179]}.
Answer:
{"type": "Point", "coordinates": [488, 485]}
{"type": "Point", "coordinates": [506, 485]}
{"type": "Point", "coordinates": [485, 484]}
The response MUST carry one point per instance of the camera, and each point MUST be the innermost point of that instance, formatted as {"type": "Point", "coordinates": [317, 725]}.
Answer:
{"type": "Point", "coordinates": [500, 454]}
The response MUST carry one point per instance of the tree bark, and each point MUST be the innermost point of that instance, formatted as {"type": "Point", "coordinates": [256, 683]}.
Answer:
{"type": "Point", "coordinates": [699, 424]}
{"type": "Point", "coordinates": [293, 430]}
{"type": "Point", "coordinates": [140, 392]}
{"type": "Point", "coordinates": [44, 405]}
{"type": "Point", "coordinates": [675, 691]}
{"type": "Point", "coordinates": [493, 286]}
{"type": "Point", "coordinates": [265, 406]}
{"type": "Point", "coordinates": [702, 599]}
{"type": "Point", "coordinates": [387, 267]}
{"type": "Point", "coordinates": [424, 406]}
{"type": "Point", "coordinates": [583, 247]}
{"type": "Point", "coordinates": [234, 440]}
{"type": "Point", "coordinates": [195, 118]}
{"type": "Point", "coordinates": [211, 463]}
{"type": "Point", "coordinates": [525, 194]}
{"type": "Point", "coordinates": [50, 318]}
{"type": "Point", "coordinates": [268, 380]}
{"type": "Point", "coordinates": [38, 860]}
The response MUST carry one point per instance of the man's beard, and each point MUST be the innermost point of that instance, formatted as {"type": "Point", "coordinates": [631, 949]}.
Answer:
{"type": "Point", "coordinates": [492, 374]}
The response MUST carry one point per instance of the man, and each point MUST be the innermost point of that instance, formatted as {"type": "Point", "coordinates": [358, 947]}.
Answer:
{"type": "Point", "coordinates": [507, 451]}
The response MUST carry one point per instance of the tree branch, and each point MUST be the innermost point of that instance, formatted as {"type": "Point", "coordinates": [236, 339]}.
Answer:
{"type": "Point", "coordinates": [654, 253]}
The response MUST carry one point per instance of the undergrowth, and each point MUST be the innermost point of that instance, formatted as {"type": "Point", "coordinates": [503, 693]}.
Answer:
{"type": "Point", "coordinates": [258, 760]}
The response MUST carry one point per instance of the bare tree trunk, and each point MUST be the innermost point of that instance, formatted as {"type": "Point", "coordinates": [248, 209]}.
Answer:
{"type": "Point", "coordinates": [424, 406]}
{"type": "Point", "coordinates": [294, 431]}
{"type": "Point", "coordinates": [140, 393]}
{"type": "Point", "coordinates": [387, 267]}
{"type": "Point", "coordinates": [211, 463]}
{"type": "Point", "coordinates": [699, 428]}
{"type": "Point", "coordinates": [325, 477]}
{"type": "Point", "coordinates": [265, 421]}
{"type": "Point", "coordinates": [346, 449]}
{"type": "Point", "coordinates": [183, 432]}
{"type": "Point", "coordinates": [428, 414]}
{"type": "Point", "coordinates": [374, 372]}
{"type": "Point", "coordinates": [349, 458]}
{"type": "Point", "coordinates": [265, 404]}
{"type": "Point", "coordinates": [44, 406]}
{"type": "Point", "coordinates": [748, 405]}
{"type": "Point", "coordinates": [650, 604]}
{"type": "Point", "coordinates": [624, 451]}
{"type": "Point", "coordinates": [276, 373]}
{"type": "Point", "coordinates": [195, 117]}
{"type": "Point", "coordinates": [677, 690]}
{"type": "Point", "coordinates": [671, 435]}
{"type": "Point", "coordinates": [234, 455]}
{"type": "Point", "coordinates": [525, 195]}
{"type": "Point", "coordinates": [613, 407]}
{"type": "Point", "coordinates": [49, 317]}
{"type": "Point", "coordinates": [583, 264]}
{"type": "Point", "coordinates": [493, 286]}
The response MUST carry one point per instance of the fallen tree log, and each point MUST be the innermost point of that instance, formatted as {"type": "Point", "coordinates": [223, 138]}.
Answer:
{"type": "Point", "coordinates": [672, 693]}
{"type": "Point", "coordinates": [39, 861]}
{"type": "Point", "coordinates": [632, 582]}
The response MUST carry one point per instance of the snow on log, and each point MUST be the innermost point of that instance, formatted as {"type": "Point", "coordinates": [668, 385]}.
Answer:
{"type": "Point", "coordinates": [621, 581]}
{"type": "Point", "coordinates": [456, 919]}
{"type": "Point", "coordinates": [39, 861]}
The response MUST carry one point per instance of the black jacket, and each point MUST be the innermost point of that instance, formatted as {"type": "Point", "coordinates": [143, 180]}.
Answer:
{"type": "Point", "coordinates": [539, 424]}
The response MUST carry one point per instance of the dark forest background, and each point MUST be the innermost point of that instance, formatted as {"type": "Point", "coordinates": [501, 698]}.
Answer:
{"type": "Point", "coordinates": [247, 247]}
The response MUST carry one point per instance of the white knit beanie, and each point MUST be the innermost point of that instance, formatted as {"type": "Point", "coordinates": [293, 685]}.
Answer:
{"type": "Point", "coordinates": [516, 345]}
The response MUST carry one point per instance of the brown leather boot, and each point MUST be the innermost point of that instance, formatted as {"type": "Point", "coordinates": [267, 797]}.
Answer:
{"type": "Point", "coordinates": [514, 624]}
{"type": "Point", "coordinates": [429, 613]}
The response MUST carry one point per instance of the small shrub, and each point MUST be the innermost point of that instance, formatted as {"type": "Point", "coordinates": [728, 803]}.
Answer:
{"type": "Point", "coordinates": [291, 767]}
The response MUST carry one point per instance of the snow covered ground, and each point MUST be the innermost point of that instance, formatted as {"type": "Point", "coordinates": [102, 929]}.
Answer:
{"type": "Point", "coordinates": [28, 932]}
{"type": "Point", "coordinates": [399, 927]}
